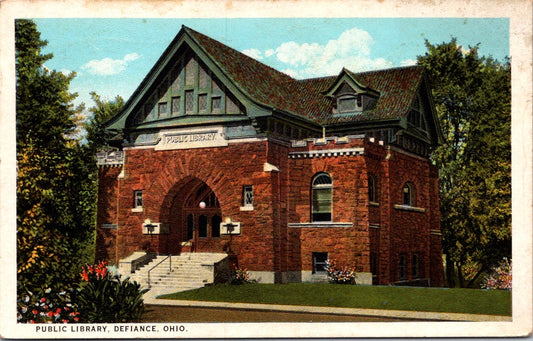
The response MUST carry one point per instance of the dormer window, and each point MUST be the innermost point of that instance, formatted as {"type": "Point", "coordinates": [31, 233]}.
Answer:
{"type": "Point", "coordinates": [350, 103]}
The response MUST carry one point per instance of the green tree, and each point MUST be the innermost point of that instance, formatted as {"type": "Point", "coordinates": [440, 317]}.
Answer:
{"type": "Point", "coordinates": [55, 184]}
{"type": "Point", "coordinates": [101, 112]}
{"type": "Point", "coordinates": [472, 98]}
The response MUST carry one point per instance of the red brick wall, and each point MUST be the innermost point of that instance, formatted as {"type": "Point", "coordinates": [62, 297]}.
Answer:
{"type": "Point", "coordinates": [266, 243]}
{"type": "Point", "coordinates": [346, 245]}
{"type": "Point", "coordinates": [107, 213]}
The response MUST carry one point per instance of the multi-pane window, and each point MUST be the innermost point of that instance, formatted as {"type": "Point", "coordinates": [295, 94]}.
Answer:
{"type": "Point", "coordinates": [162, 109]}
{"type": "Point", "coordinates": [372, 189]}
{"type": "Point", "coordinates": [202, 103]}
{"type": "Point", "coordinates": [248, 196]}
{"type": "Point", "coordinates": [175, 105]}
{"type": "Point", "coordinates": [322, 192]}
{"type": "Point", "coordinates": [189, 101]}
{"type": "Point", "coordinates": [138, 199]}
{"type": "Point", "coordinates": [320, 260]}
{"type": "Point", "coordinates": [402, 273]}
{"type": "Point", "coordinates": [408, 194]}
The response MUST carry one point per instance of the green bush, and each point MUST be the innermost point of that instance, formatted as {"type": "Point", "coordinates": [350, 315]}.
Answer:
{"type": "Point", "coordinates": [103, 297]}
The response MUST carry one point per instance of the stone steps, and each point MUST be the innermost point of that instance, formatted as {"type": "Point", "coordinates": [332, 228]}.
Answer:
{"type": "Point", "coordinates": [188, 271]}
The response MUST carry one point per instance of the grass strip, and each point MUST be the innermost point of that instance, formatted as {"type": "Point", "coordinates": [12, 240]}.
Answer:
{"type": "Point", "coordinates": [468, 301]}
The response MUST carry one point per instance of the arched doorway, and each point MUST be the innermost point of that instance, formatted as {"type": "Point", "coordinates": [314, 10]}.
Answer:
{"type": "Point", "coordinates": [195, 219]}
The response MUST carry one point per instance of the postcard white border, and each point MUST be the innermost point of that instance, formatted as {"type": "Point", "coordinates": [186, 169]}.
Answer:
{"type": "Point", "coordinates": [519, 12]}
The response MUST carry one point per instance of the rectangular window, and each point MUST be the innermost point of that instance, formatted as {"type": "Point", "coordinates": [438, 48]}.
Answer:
{"type": "Point", "coordinates": [322, 204]}
{"type": "Point", "coordinates": [319, 262]}
{"type": "Point", "coordinates": [416, 266]}
{"type": "Point", "coordinates": [248, 196]}
{"type": "Point", "coordinates": [347, 104]}
{"type": "Point", "coordinates": [402, 267]}
{"type": "Point", "coordinates": [175, 105]}
{"type": "Point", "coordinates": [202, 103]}
{"type": "Point", "coordinates": [189, 101]}
{"type": "Point", "coordinates": [216, 103]}
{"type": "Point", "coordinates": [162, 109]}
{"type": "Point", "coordinates": [137, 199]}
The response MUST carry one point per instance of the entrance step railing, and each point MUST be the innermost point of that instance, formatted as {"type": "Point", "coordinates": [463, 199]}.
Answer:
{"type": "Point", "coordinates": [169, 257]}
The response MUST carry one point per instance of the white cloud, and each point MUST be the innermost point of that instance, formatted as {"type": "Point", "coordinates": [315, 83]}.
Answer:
{"type": "Point", "coordinates": [351, 50]}
{"type": "Point", "coordinates": [408, 62]}
{"type": "Point", "coordinates": [254, 53]}
{"type": "Point", "coordinates": [67, 72]}
{"type": "Point", "coordinates": [108, 66]}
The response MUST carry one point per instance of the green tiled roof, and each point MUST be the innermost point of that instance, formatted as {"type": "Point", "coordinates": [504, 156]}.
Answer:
{"type": "Point", "coordinates": [274, 89]}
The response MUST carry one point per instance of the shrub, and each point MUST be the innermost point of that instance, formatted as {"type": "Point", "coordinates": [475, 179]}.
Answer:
{"type": "Point", "coordinates": [500, 276]}
{"type": "Point", "coordinates": [52, 307]}
{"type": "Point", "coordinates": [241, 276]}
{"type": "Point", "coordinates": [103, 297]}
{"type": "Point", "coordinates": [339, 275]}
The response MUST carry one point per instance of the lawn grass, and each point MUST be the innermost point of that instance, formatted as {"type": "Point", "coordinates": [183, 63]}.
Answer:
{"type": "Point", "coordinates": [469, 301]}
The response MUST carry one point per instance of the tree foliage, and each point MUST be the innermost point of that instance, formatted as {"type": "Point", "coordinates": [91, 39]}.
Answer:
{"type": "Point", "coordinates": [101, 112]}
{"type": "Point", "coordinates": [472, 97]}
{"type": "Point", "coordinates": [55, 182]}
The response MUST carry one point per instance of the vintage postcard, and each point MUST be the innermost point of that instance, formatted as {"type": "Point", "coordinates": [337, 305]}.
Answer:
{"type": "Point", "coordinates": [265, 169]}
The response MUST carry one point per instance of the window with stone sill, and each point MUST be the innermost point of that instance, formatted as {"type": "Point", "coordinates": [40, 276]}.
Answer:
{"type": "Point", "coordinates": [247, 198]}
{"type": "Point", "coordinates": [319, 262]}
{"type": "Point", "coordinates": [408, 193]}
{"type": "Point", "coordinates": [322, 194]}
{"type": "Point", "coordinates": [137, 201]}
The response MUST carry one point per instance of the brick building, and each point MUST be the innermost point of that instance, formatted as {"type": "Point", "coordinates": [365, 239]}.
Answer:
{"type": "Point", "coordinates": [217, 152]}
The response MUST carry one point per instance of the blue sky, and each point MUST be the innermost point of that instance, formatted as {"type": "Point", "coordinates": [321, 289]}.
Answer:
{"type": "Point", "coordinates": [112, 56]}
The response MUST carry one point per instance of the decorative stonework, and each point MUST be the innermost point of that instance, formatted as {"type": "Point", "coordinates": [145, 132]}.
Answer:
{"type": "Point", "coordinates": [327, 153]}
{"type": "Point", "coordinates": [110, 158]}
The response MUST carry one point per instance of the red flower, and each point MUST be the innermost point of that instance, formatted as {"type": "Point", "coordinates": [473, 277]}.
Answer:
{"type": "Point", "coordinates": [85, 276]}
{"type": "Point", "coordinates": [32, 321]}
{"type": "Point", "coordinates": [49, 314]}
{"type": "Point", "coordinates": [35, 312]}
{"type": "Point", "coordinates": [76, 319]}
{"type": "Point", "coordinates": [58, 310]}
{"type": "Point", "coordinates": [43, 299]}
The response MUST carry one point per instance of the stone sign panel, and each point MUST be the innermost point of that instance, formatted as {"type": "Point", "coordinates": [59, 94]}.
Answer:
{"type": "Point", "coordinates": [192, 138]}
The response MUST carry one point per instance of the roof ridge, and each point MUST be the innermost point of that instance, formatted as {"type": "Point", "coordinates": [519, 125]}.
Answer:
{"type": "Point", "coordinates": [253, 60]}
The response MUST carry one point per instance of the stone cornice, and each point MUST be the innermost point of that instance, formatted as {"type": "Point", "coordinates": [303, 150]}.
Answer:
{"type": "Point", "coordinates": [327, 153]}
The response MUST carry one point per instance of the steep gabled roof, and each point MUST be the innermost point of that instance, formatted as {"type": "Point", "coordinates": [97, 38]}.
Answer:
{"type": "Point", "coordinates": [279, 92]}
{"type": "Point", "coordinates": [397, 86]}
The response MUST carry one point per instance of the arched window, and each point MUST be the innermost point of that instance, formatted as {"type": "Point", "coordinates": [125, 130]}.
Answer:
{"type": "Point", "coordinates": [372, 189]}
{"type": "Point", "coordinates": [408, 194]}
{"type": "Point", "coordinates": [322, 193]}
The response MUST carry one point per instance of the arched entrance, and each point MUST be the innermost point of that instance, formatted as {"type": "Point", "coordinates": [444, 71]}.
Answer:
{"type": "Point", "coordinates": [195, 219]}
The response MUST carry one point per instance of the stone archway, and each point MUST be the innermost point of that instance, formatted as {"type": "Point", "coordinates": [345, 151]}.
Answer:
{"type": "Point", "coordinates": [194, 218]}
